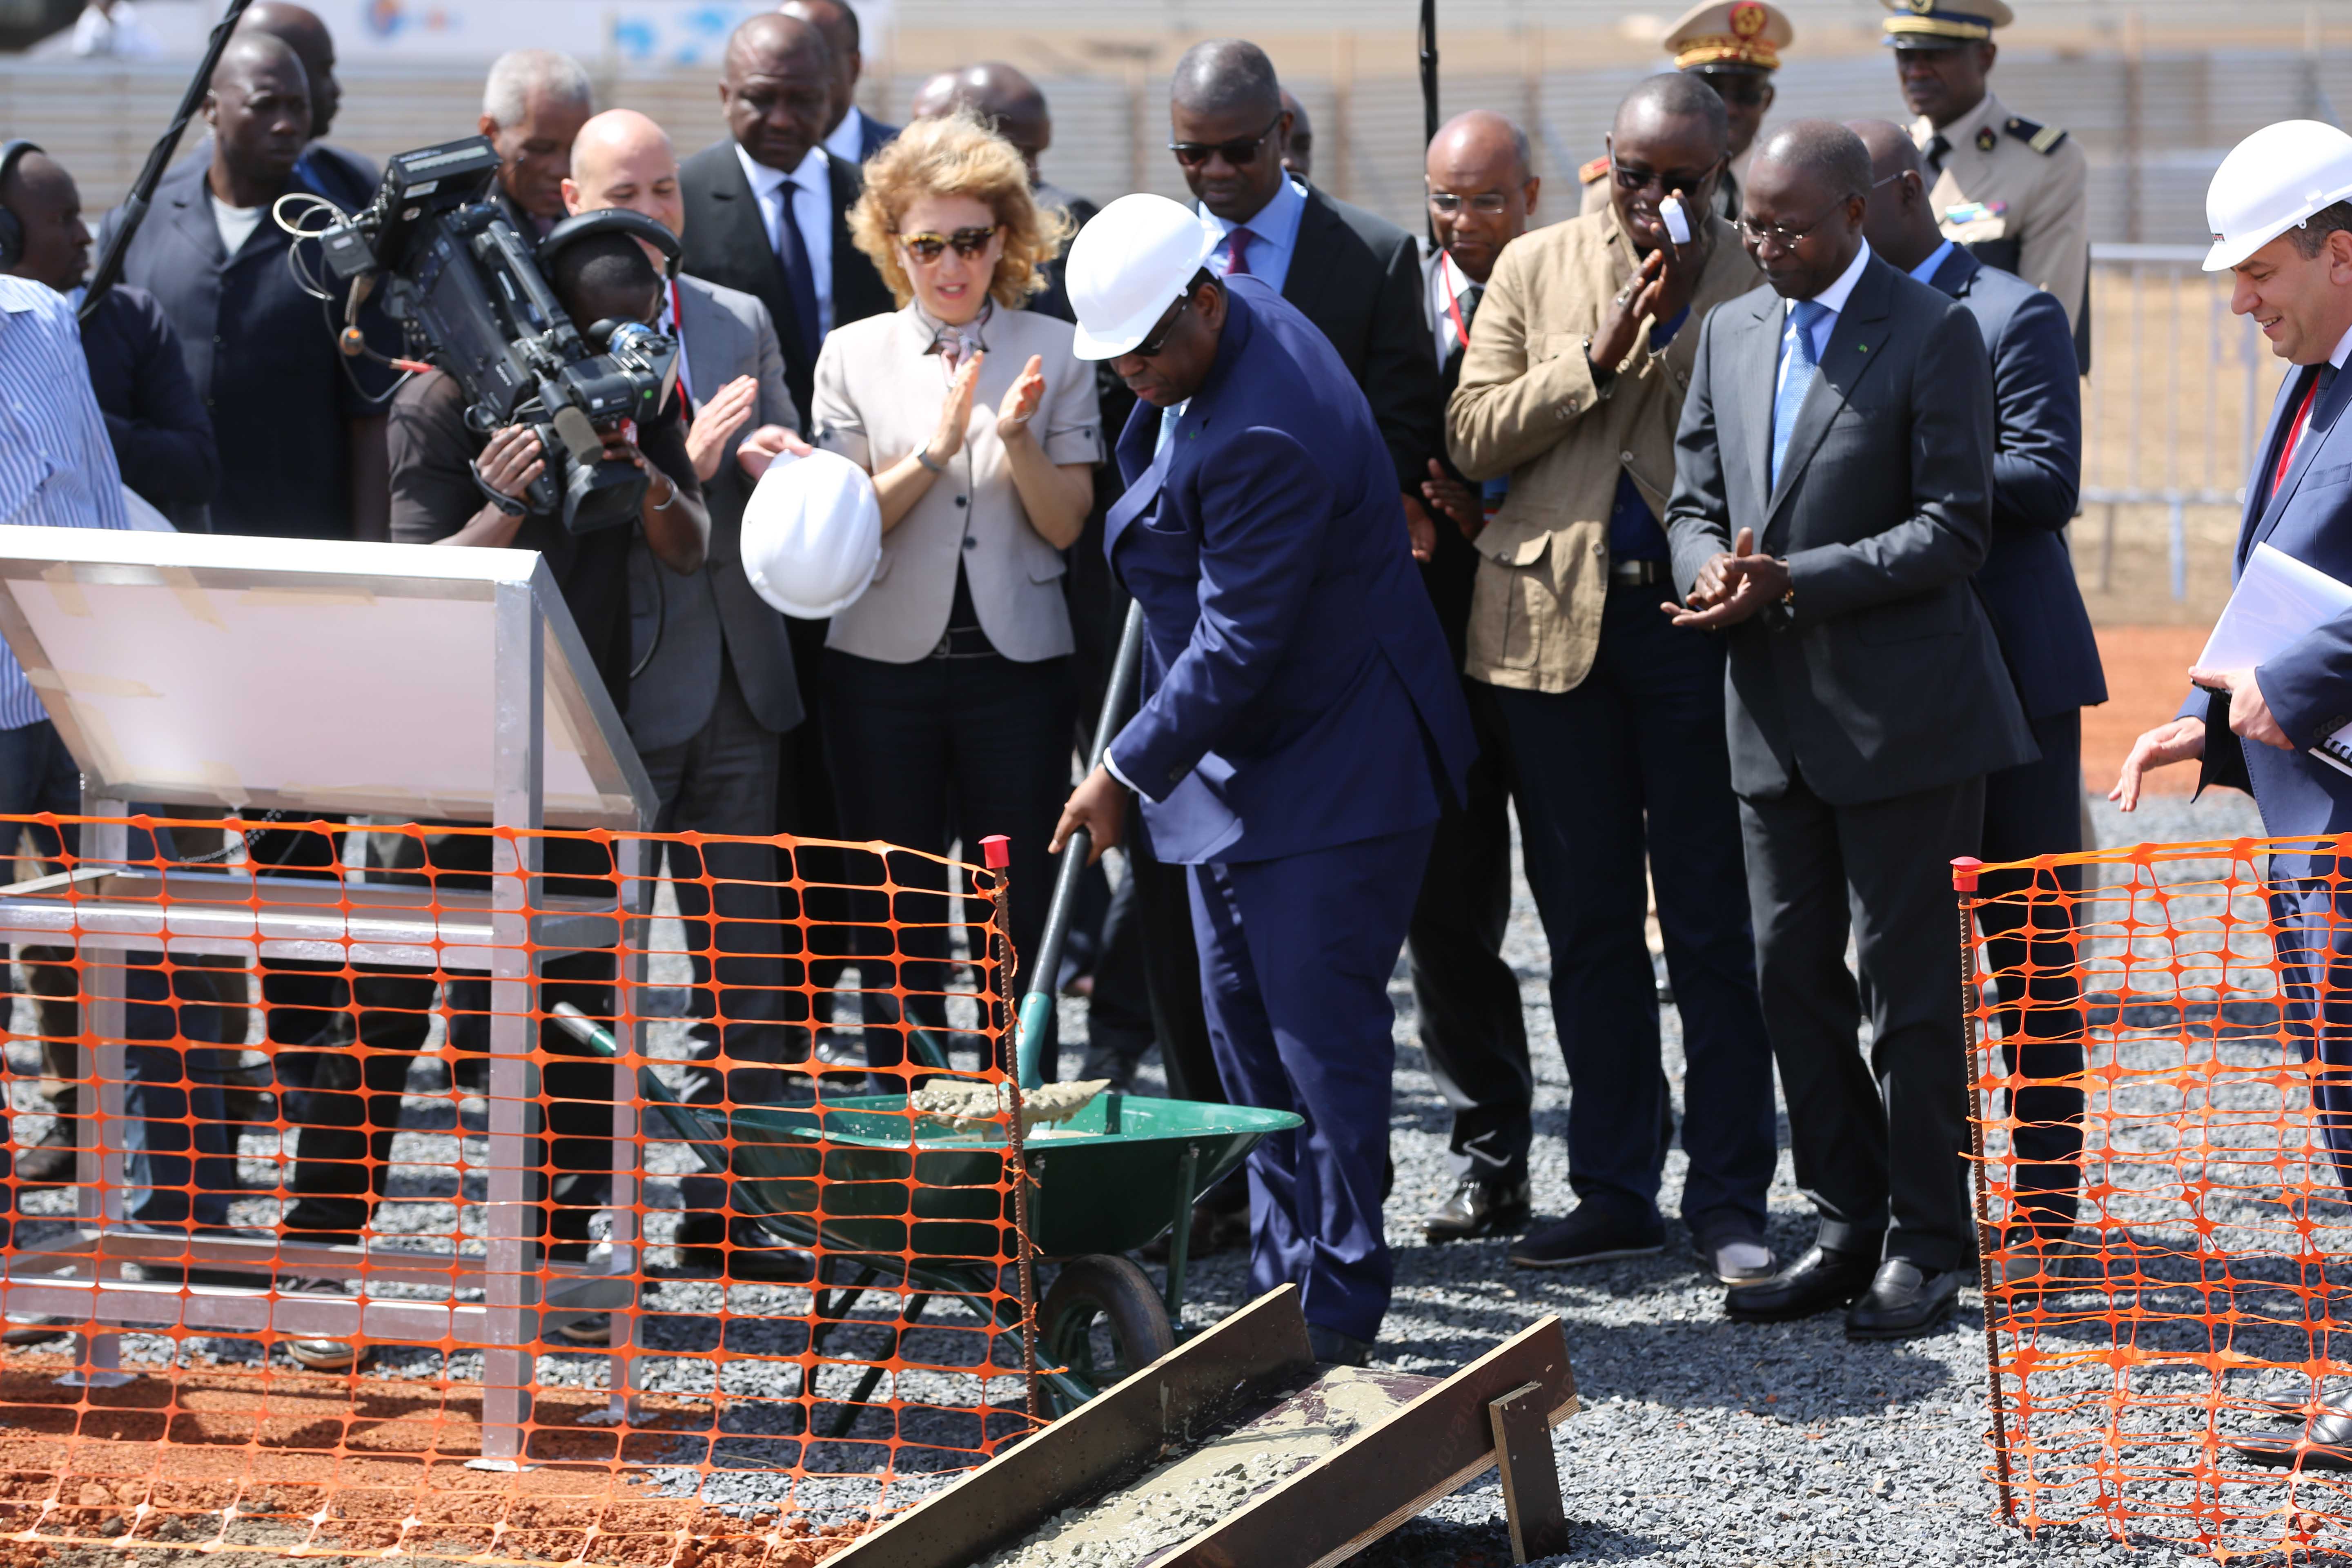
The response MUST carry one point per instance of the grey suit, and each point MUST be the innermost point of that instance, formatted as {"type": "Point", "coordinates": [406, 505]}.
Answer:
{"type": "Point", "coordinates": [1863, 715]}
{"type": "Point", "coordinates": [714, 688]}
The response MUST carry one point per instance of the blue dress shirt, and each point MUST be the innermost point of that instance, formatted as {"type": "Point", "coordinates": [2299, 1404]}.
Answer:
{"type": "Point", "coordinates": [1274, 229]}
{"type": "Point", "coordinates": [56, 463]}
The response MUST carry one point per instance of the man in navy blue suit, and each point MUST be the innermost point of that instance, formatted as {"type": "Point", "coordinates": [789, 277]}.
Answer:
{"type": "Point", "coordinates": [2027, 583]}
{"type": "Point", "coordinates": [1301, 721]}
{"type": "Point", "coordinates": [2282, 223]}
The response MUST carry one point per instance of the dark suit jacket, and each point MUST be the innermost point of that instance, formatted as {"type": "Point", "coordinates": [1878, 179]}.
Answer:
{"type": "Point", "coordinates": [2308, 685]}
{"type": "Point", "coordinates": [2028, 577]}
{"type": "Point", "coordinates": [1359, 278]}
{"type": "Point", "coordinates": [727, 242]}
{"type": "Point", "coordinates": [872, 135]}
{"type": "Point", "coordinates": [1295, 685]}
{"type": "Point", "coordinates": [161, 435]}
{"type": "Point", "coordinates": [1882, 677]}
{"type": "Point", "coordinates": [261, 353]}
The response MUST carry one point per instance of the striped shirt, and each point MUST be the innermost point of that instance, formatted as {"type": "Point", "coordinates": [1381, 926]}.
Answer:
{"type": "Point", "coordinates": [56, 465]}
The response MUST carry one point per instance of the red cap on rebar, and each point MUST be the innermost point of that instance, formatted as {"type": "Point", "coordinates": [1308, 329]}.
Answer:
{"type": "Point", "coordinates": [997, 851]}
{"type": "Point", "coordinates": [1964, 874]}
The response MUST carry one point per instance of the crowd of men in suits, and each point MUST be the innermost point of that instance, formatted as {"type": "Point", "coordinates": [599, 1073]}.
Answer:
{"type": "Point", "coordinates": [1748, 548]}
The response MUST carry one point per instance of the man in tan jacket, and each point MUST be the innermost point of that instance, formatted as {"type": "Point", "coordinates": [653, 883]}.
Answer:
{"type": "Point", "coordinates": [1571, 386]}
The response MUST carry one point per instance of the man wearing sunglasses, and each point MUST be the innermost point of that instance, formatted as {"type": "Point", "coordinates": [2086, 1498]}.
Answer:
{"type": "Point", "coordinates": [1734, 46]}
{"type": "Point", "coordinates": [1301, 724]}
{"type": "Point", "coordinates": [1833, 497]}
{"type": "Point", "coordinates": [1611, 721]}
{"type": "Point", "coordinates": [1355, 276]}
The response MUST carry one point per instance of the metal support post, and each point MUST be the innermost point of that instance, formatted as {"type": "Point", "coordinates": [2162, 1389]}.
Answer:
{"type": "Point", "coordinates": [509, 1363]}
{"type": "Point", "coordinates": [101, 1061]}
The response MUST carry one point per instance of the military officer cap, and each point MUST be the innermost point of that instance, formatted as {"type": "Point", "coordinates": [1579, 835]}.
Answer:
{"type": "Point", "coordinates": [1943, 24]}
{"type": "Point", "coordinates": [1729, 35]}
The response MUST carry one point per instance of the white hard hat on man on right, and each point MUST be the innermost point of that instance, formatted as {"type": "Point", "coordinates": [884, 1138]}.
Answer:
{"type": "Point", "coordinates": [2272, 182]}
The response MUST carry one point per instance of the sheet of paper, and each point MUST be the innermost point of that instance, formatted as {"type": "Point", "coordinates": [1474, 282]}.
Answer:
{"type": "Point", "coordinates": [2276, 601]}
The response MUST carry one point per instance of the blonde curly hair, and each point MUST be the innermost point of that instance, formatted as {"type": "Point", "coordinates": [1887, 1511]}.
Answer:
{"type": "Point", "coordinates": [958, 155]}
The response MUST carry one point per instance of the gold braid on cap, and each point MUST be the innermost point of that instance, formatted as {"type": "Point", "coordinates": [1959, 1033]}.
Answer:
{"type": "Point", "coordinates": [1745, 45]}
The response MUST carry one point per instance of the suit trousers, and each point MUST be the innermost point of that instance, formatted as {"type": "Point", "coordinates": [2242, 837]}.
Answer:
{"type": "Point", "coordinates": [2312, 934]}
{"type": "Point", "coordinates": [2029, 927]}
{"type": "Point", "coordinates": [1295, 956]}
{"type": "Point", "coordinates": [348, 1105]}
{"type": "Point", "coordinates": [747, 991]}
{"type": "Point", "coordinates": [1472, 1030]}
{"type": "Point", "coordinates": [1877, 1143]}
{"type": "Point", "coordinates": [1627, 771]}
{"type": "Point", "coordinates": [983, 742]}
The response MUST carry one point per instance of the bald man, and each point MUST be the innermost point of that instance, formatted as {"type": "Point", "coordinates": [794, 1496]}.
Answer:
{"type": "Point", "coordinates": [343, 175]}
{"type": "Point", "coordinates": [851, 134]}
{"type": "Point", "coordinates": [712, 690]}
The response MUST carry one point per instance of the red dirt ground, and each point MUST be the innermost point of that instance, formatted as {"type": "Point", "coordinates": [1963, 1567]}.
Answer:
{"type": "Point", "coordinates": [318, 1464]}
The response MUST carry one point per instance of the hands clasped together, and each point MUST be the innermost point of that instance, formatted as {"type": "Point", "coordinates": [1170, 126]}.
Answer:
{"type": "Point", "coordinates": [1732, 587]}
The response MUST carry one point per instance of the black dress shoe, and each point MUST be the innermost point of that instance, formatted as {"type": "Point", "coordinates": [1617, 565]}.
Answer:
{"type": "Point", "coordinates": [1333, 1348]}
{"type": "Point", "coordinates": [1819, 1281]}
{"type": "Point", "coordinates": [1478, 1209]}
{"type": "Point", "coordinates": [2323, 1442]}
{"type": "Point", "coordinates": [1590, 1233]}
{"type": "Point", "coordinates": [1904, 1302]}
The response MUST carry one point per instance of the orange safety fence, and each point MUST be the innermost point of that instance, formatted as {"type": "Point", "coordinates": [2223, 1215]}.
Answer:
{"type": "Point", "coordinates": [330, 1230]}
{"type": "Point", "coordinates": [2170, 1028]}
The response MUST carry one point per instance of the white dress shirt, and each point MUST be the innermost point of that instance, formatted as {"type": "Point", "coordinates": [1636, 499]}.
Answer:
{"type": "Point", "coordinates": [847, 142]}
{"type": "Point", "coordinates": [1448, 286]}
{"type": "Point", "coordinates": [811, 186]}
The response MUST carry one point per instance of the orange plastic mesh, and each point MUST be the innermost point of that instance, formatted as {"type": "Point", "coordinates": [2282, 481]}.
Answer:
{"type": "Point", "coordinates": [2202, 1295]}
{"type": "Point", "coordinates": [223, 1066]}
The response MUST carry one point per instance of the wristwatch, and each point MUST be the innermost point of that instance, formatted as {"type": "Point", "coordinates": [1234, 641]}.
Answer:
{"type": "Point", "coordinates": [1602, 378]}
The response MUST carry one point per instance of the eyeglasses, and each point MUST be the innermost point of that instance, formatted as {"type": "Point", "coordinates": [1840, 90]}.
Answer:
{"type": "Point", "coordinates": [1164, 329]}
{"type": "Point", "coordinates": [1786, 237]}
{"type": "Point", "coordinates": [967, 243]}
{"type": "Point", "coordinates": [1679, 182]}
{"type": "Point", "coordinates": [1490, 203]}
{"type": "Point", "coordinates": [1192, 155]}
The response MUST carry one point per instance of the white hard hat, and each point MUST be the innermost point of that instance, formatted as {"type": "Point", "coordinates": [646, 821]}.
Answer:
{"type": "Point", "coordinates": [1127, 266]}
{"type": "Point", "coordinates": [2269, 182]}
{"type": "Point", "coordinates": [811, 534]}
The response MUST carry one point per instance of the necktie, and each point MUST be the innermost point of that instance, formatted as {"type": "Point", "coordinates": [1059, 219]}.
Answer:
{"type": "Point", "coordinates": [1798, 363]}
{"type": "Point", "coordinates": [800, 278]}
{"type": "Point", "coordinates": [1237, 257]}
{"type": "Point", "coordinates": [1469, 302]}
{"type": "Point", "coordinates": [2301, 424]}
{"type": "Point", "coordinates": [1937, 145]}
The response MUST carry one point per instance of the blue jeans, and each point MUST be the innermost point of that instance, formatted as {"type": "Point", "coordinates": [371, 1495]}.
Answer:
{"type": "Point", "coordinates": [173, 1114]}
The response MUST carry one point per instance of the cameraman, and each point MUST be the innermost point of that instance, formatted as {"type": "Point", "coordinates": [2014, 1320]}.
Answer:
{"type": "Point", "coordinates": [442, 478]}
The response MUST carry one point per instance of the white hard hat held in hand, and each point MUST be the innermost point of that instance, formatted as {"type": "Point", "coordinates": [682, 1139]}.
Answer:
{"type": "Point", "coordinates": [2271, 182]}
{"type": "Point", "coordinates": [1127, 266]}
{"type": "Point", "coordinates": [811, 534]}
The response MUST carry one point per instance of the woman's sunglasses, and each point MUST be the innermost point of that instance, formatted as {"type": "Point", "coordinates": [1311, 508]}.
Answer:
{"type": "Point", "coordinates": [966, 242]}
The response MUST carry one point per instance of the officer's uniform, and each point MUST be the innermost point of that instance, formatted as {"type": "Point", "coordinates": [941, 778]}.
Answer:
{"type": "Point", "coordinates": [1715, 38]}
{"type": "Point", "coordinates": [2009, 189]}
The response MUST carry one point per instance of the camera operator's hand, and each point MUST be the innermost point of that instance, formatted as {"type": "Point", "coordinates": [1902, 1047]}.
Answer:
{"type": "Point", "coordinates": [512, 462]}
{"type": "Point", "coordinates": [955, 414]}
{"type": "Point", "coordinates": [716, 422]}
{"type": "Point", "coordinates": [763, 447]}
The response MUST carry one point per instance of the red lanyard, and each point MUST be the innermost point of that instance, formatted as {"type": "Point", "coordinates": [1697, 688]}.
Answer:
{"type": "Point", "coordinates": [1445, 276]}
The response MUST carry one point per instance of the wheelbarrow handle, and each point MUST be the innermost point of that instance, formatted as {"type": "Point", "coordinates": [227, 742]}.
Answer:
{"type": "Point", "coordinates": [708, 1147]}
{"type": "Point", "coordinates": [1045, 965]}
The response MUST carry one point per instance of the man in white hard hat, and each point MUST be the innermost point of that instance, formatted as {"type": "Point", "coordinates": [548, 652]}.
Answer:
{"type": "Point", "coordinates": [1301, 724]}
{"type": "Point", "coordinates": [2281, 212]}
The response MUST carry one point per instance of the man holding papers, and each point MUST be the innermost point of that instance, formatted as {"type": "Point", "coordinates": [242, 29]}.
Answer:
{"type": "Point", "coordinates": [2281, 222]}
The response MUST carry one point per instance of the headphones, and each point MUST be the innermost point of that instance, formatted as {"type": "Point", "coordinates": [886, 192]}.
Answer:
{"type": "Point", "coordinates": [572, 230]}
{"type": "Point", "coordinates": [12, 228]}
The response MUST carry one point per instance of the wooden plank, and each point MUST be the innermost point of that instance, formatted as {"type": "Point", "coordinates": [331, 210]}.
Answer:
{"type": "Point", "coordinates": [1531, 1476]}
{"type": "Point", "coordinates": [1251, 1356]}
{"type": "Point", "coordinates": [1343, 1502]}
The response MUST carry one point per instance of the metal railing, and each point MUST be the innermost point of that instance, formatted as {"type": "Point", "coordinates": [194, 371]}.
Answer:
{"type": "Point", "coordinates": [2176, 397]}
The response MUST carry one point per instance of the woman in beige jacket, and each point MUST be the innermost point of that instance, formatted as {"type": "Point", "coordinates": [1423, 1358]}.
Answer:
{"type": "Point", "coordinates": [947, 695]}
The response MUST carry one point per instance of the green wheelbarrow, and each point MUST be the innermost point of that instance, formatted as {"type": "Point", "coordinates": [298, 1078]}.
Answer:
{"type": "Point", "coordinates": [888, 1196]}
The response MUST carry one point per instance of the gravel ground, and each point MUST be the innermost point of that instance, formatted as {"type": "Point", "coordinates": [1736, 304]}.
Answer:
{"type": "Point", "coordinates": [1700, 1443]}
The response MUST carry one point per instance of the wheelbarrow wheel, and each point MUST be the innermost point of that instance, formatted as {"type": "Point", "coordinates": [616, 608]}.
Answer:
{"type": "Point", "coordinates": [1102, 1318]}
